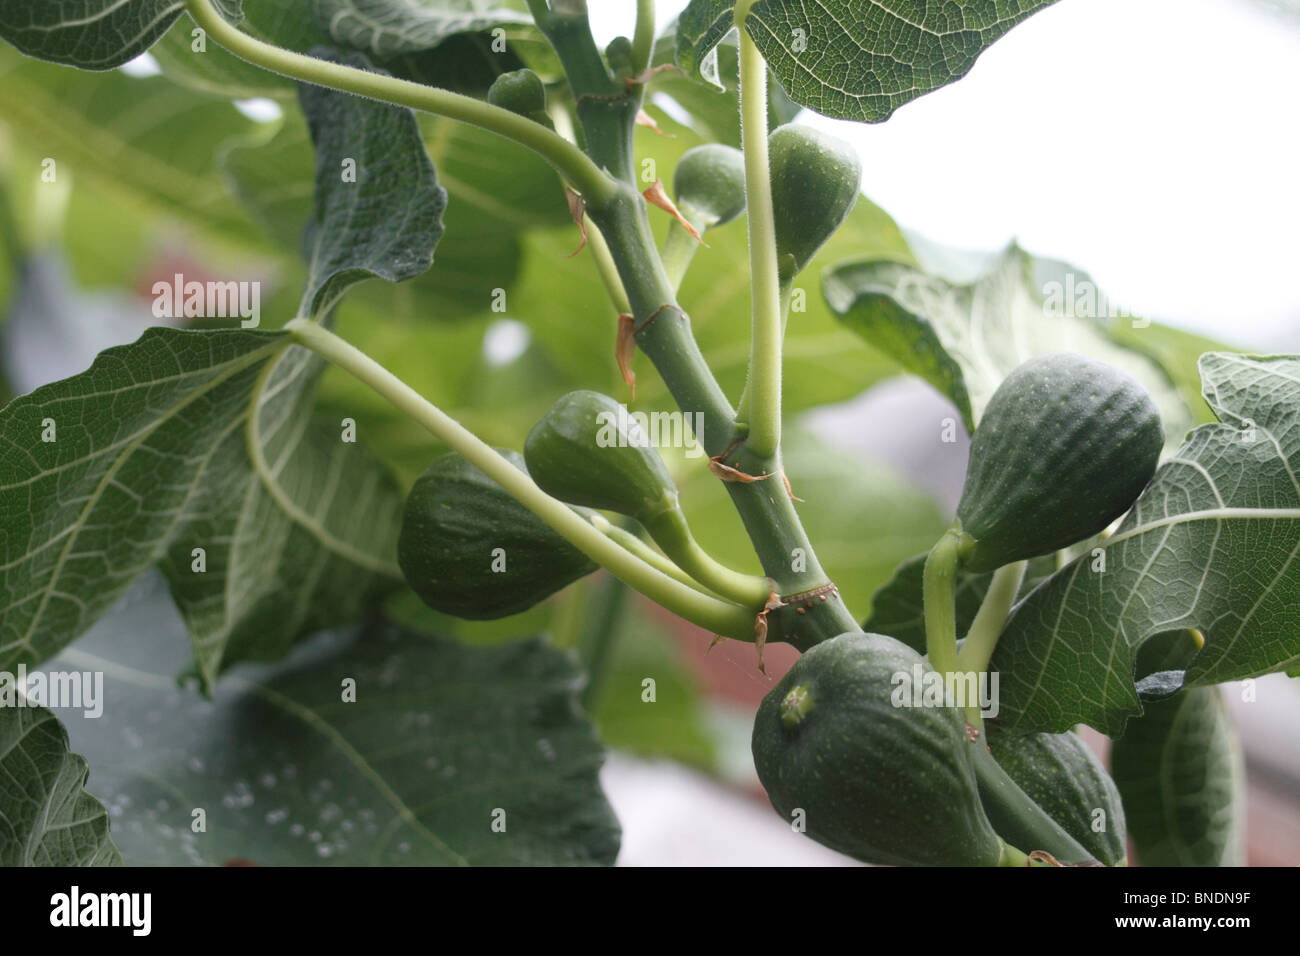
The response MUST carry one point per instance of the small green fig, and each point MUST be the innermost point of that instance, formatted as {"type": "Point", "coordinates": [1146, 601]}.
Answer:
{"type": "Point", "coordinates": [816, 179]}
{"type": "Point", "coordinates": [522, 92]}
{"type": "Point", "coordinates": [587, 450]}
{"type": "Point", "coordinates": [469, 549]}
{"type": "Point", "coordinates": [1065, 446]}
{"type": "Point", "coordinates": [709, 183]}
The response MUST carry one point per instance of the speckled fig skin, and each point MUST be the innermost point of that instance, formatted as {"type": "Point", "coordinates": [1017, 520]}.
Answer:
{"type": "Point", "coordinates": [567, 461]}
{"type": "Point", "coordinates": [1060, 773]}
{"type": "Point", "coordinates": [454, 518]}
{"type": "Point", "coordinates": [1065, 447]}
{"type": "Point", "coordinates": [816, 179]}
{"type": "Point", "coordinates": [521, 91]}
{"type": "Point", "coordinates": [709, 183]}
{"type": "Point", "coordinates": [884, 784]}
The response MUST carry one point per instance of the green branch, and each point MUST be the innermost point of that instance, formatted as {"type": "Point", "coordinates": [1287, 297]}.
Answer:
{"type": "Point", "coordinates": [643, 40]}
{"type": "Point", "coordinates": [985, 630]}
{"type": "Point", "coordinates": [649, 555]}
{"type": "Point", "coordinates": [938, 598]}
{"type": "Point", "coordinates": [572, 163]}
{"type": "Point", "coordinates": [663, 333]}
{"type": "Point", "coordinates": [762, 407]}
{"type": "Point", "coordinates": [720, 617]}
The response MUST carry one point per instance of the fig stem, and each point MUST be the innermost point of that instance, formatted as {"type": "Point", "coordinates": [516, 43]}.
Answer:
{"type": "Point", "coordinates": [671, 532]}
{"type": "Point", "coordinates": [596, 645]}
{"type": "Point", "coordinates": [938, 591]}
{"type": "Point", "coordinates": [605, 266]}
{"type": "Point", "coordinates": [643, 38]}
{"type": "Point", "coordinates": [786, 288]}
{"type": "Point", "coordinates": [678, 251]}
{"type": "Point", "coordinates": [596, 187]}
{"type": "Point", "coordinates": [763, 413]}
{"type": "Point", "coordinates": [718, 616]}
{"type": "Point", "coordinates": [982, 638]}
{"type": "Point", "coordinates": [649, 555]}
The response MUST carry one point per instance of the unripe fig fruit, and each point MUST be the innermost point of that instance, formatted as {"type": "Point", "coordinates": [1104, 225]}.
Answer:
{"type": "Point", "coordinates": [588, 451]}
{"type": "Point", "coordinates": [816, 179]}
{"type": "Point", "coordinates": [469, 549]}
{"type": "Point", "coordinates": [709, 183]}
{"type": "Point", "coordinates": [883, 783]}
{"type": "Point", "coordinates": [1065, 446]}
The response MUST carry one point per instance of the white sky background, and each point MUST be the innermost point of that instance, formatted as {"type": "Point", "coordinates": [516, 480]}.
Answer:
{"type": "Point", "coordinates": [1154, 143]}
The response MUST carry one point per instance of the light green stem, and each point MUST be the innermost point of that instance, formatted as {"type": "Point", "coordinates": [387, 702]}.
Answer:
{"type": "Point", "coordinates": [605, 266]}
{"type": "Point", "coordinates": [763, 388]}
{"type": "Point", "coordinates": [982, 638]}
{"type": "Point", "coordinates": [720, 617]}
{"type": "Point", "coordinates": [743, 405]}
{"type": "Point", "coordinates": [1013, 857]}
{"type": "Point", "coordinates": [938, 589]}
{"type": "Point", "coordinates": [671, 532]}
{"type": "Point", "coordinates": [678, 251]}
{"type": "Point", "coordinates": [596, 188]}
{"type": "Point", "coordinates": [596, 646]}
{"type": "Point", "coordinates": [643, 40]}
{"type": "Point", "coordinates": [646, 553]}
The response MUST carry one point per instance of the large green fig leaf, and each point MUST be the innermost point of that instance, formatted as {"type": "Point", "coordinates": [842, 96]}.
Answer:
{"type": "Point", "coordinates": [196, 450]}
{"type": "Point", "coordinates": [491, 202]}
{"type": "Point", "coordinates": [46, 816]}
{"type": "Point", "coordinates": [442, 43]}
{"type": "Point", "coordinates": [149, 461]}
{"type": "Point", "coordinates": [144, 136]}
{"type": "Point", "coordinates": [93, 34]}
{"type": "Point", "coordinates": [1212, 544]}
{"type": "Point", "coordinates": [384, 747]}
{"type": "Point", "coordinates": [964, 339]}
{"type": "Point", "coordinates": [1180, 772]}
{"type": "Point", "coordinates": [856, 59]}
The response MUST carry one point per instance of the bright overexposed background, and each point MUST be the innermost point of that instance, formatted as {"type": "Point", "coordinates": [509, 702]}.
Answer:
{"type": "Point", "coordinates": [1153, 143]}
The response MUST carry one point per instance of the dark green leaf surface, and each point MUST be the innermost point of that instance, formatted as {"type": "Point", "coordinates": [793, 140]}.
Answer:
{"type": "Point", "coordinates": [383, 221]}
{"type": "Point", "coordinates": [497, 190]}
{"type": "Point", "coordinates": [965, 338]}
{"type": "Point", "coordinates": [288, 773]}
{"type": "Point", "coordinates": [1213, 544]}
{"type": "Point", "coordinates": [385, 28]}
{"type": "Point", "coordinates": [90, 34]}
{"type": "Point", "coordinates": [152, 460]}
{"type": "Point", "coordinates": [1179, 769]}
{"type": "Point", "coordinates": [46, 816]}
{"type": "Point", "coordinates": [700, 29]}
{"type": "Point", "coordinates": [856, 59]}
